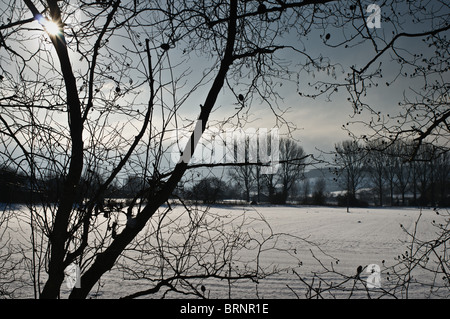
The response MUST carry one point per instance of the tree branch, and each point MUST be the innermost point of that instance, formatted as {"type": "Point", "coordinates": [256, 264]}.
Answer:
{"type": "Point", "coordinates": [397, 36]}
{"type": "Point", "coordinates": [106, 259]}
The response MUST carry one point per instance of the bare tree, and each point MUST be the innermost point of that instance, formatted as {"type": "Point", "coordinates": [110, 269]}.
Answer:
{"type": "Point", "coordinates": [425, 263]}
{"type": "Point", "coordinates": [376, 167]}
{"type": "Point", "coordinates": [9, 265]}
{"type": "Point", "coordinates": [442, 167]}
{"type": "Point", "coordinates": [245, 175]}
{"type": "Point", "coordinates": [390, 176]}
{"type": "Point", "coordinates": [291, 167]}
{"type": "Point", "coordinates": [350, 167]}
{"type": "Point", "coordinates": [319, 194]}
{"type": "Point", "coordinates": [99, 86]}
{"type": "Point", "coordinates": [402, 168]}
{"type": "Point", "coordinates": [416, 52]}
{"type": "Point", "coordinates": [209, 190]}
{"type": "Point", "coordinates": [306, 189]}
{"type": "Point", "coordinates": [424, 174]}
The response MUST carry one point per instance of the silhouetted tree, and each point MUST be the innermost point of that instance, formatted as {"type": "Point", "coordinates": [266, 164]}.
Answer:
{"type": "Point", "coordinates": [290, 171]}
{"type": "Point", "coordinates": [89, 85]}
{"type": "Point", "coordinates": [377, 163]}
{"type": "Point", "coordinates": [350, 168]}
{"type": "Point", "coordinates": [319, 196]}
{"type": "Point", "coordinates": [209, 190]}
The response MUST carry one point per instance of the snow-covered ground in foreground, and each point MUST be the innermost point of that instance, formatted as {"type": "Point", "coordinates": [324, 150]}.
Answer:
{"type": "Point", "coordinates": [362, 237]}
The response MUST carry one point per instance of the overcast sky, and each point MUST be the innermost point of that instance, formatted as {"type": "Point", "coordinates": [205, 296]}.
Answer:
{"type": "Point", "coordinates": [319, 122]}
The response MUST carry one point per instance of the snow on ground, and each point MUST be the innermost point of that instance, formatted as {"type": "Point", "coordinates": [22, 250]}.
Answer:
{"type": "Point", "coordinates": [362, 237]}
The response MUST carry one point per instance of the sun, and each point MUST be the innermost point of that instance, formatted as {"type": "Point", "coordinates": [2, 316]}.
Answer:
{"type": "Point", "coordinates": [51, 27]}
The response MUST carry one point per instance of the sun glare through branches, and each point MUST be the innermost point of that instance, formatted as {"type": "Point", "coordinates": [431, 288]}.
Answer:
{"type": "Point", "coordinates": [50, 26]}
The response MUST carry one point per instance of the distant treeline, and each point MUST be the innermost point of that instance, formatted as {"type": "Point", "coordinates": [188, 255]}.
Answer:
{"type": "Point", "coordinates": [17, 187]}
{"type": "Point", "coordinates": [375, 173]}
{"type": "Point", "coordinates": [365, 176]}
{"type": "Point", "coordinates": [382, 173]}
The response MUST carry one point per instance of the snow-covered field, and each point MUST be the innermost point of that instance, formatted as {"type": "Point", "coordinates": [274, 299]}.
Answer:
{"type": "Point", "coordinates": [314, 238]}
{"type": "Point", "coordinates": [343, 241]}
{"type": "Point", "coordinates": [364, 236]}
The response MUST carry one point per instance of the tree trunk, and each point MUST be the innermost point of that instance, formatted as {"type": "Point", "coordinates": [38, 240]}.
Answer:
{"type": "Point", "coordinates": [105, 260]}
{"type": "Point", "coordinates": [59, 235]}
